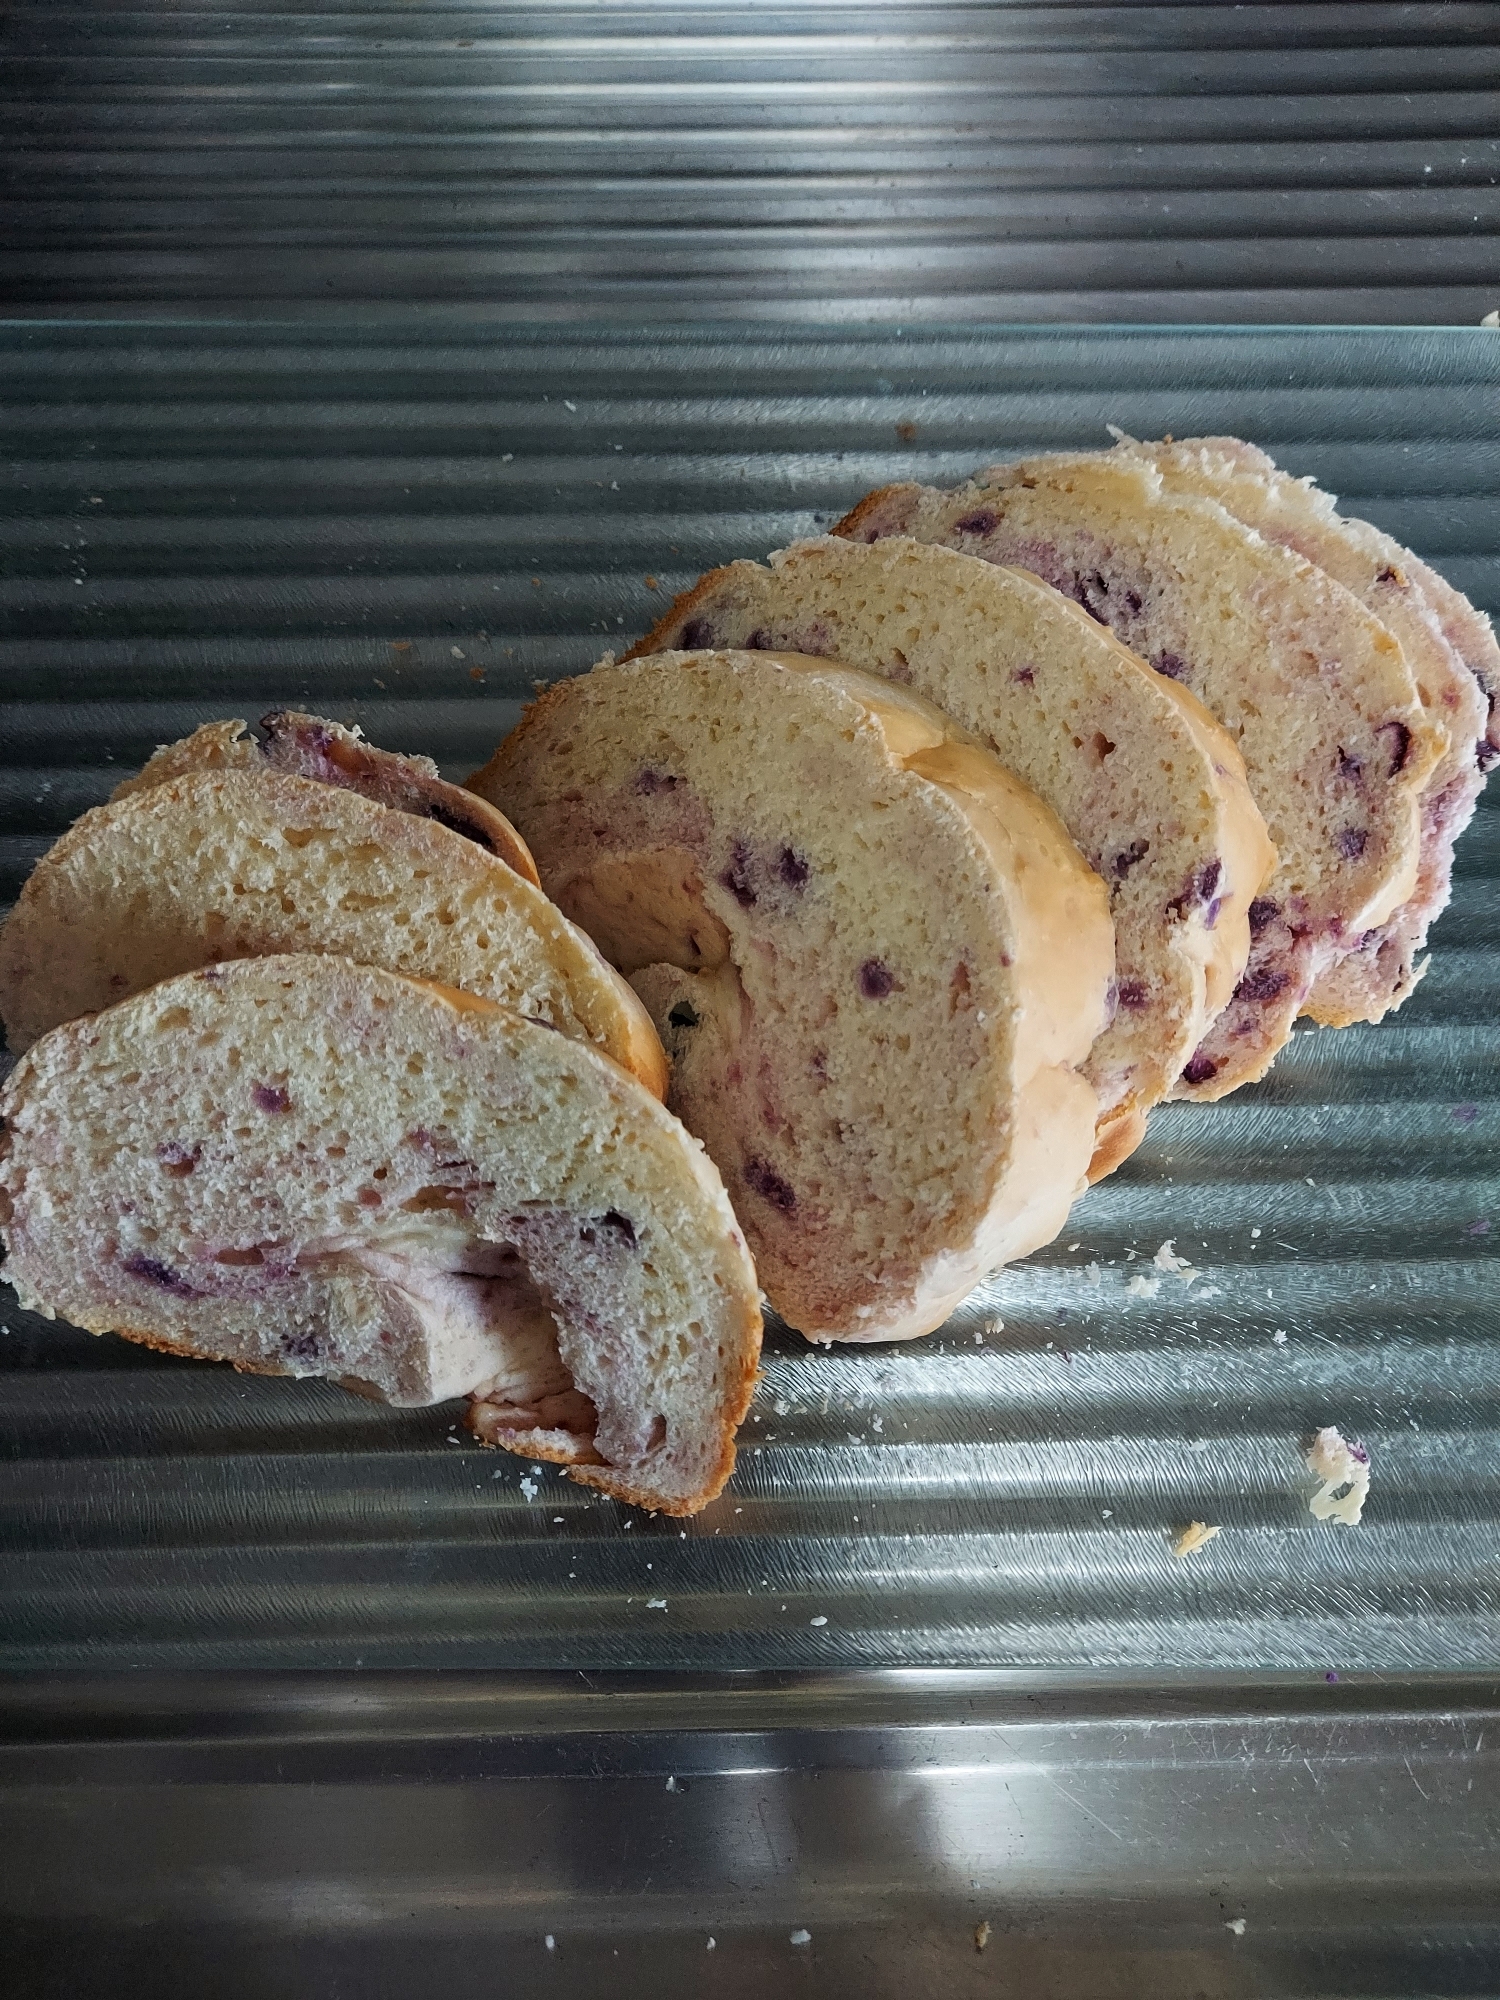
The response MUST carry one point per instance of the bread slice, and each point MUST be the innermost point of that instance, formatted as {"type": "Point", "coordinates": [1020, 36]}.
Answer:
{"type": "Point", "coordinates": [876, 958]}
{"type": "Point", "coordinates": [1304, 678]}
{"type": "Point", "coordinates": [309, 1167]}
{"type": "Point", "coordinates": [1150, 787]}
{"type": "Point", "coordinates": [230, 863]}
{"type": "Point", "coordinates": [309, 746]}
{"type": "Point", "coordinates": [1366, 983]}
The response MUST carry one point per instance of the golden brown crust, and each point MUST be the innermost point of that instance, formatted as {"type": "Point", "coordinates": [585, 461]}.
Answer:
{"type": "Point", "coordinates": [659, 639]}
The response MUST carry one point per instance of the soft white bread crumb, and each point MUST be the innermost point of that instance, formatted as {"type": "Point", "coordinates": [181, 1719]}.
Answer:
{"type": "Point", "coordinates": [1344, 1470]}
{"type": "Point", "coordinates": [1151, 788]}
{"type": "Point", "coordinates": [221, 864]}
{"type": "Point", "coordinates": [876, 959]}
{"type": "Point", "coordinates": [310, 1167]}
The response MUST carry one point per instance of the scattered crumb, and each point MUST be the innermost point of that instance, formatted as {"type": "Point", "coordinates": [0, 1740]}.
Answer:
{"type": "Point", "coordinates": [1166, 1259]}
{"type": "Point", "coordinates": [1093, 1276]}
{"type": "Point", "coordinates": [651, 583]}
{"type": "Point", "coordinates": [906, 430]}
{"type": "Point", "coordinates": [1142, 1287]}
{"type": "Point", "coordinates": [981, 1935]}
{"type": "Point", "coordinates": [672, 1785]}
{"type": "Point", "coordinates": [401, 645]}
{"type": "Point", "coordinates": [457, 652]}
{"type": "Point", "coordinates": [1187, 1541]}
{"type": "Point", "coordinates": [1254, 1234]}
{"type": "Point", "coordinates": [529, 1486]}
{"type": "Point", "coordinates": [1345, 1472]}
{"type": "Point", "coordinates": [994, 1326]}
{"type": "Point", "coordinates": [656, 1604]}
{"type": "Point", "coordinates": [1491, 319]}
{"type": "Point", "coordinates": [712, 1945]}
{"type": "Point", "coordinates": [570, 406]}
{"type": "Point", "coordinates": [801, 1937]}
{"type": "Point", "coordinates": [1278, 1338]}
{"type": "Point", "coordinates": [476, 673]}
{"type": "Point", "coordinates": [819, 1620]}
{"type": "Point", "coordinates": [506, 457]}
{"type": "Point", "coordinates": [550, 1941]}
{"type": "Point", "coordinates": [1237, 1925]}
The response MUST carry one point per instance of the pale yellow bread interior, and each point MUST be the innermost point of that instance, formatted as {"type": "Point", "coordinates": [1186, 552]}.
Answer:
{"type": "Point", "coordinates": [1297, 670]}
{"type": "Point", "coordinates": [305, 1166]}
{"type": "Point", "coordinates": [1364, 984]}
{"type": "Point", "coordinates": [1150, 787]}
{"type": "Point", "coordinates": [877, 959]}
{"type": "Point", "coordinates": [232, 863]}
{"type": "Point", "coordinates": [310, 746]}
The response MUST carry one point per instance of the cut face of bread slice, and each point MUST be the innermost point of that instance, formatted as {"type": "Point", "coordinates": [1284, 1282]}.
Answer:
{"type": "Point", "coordinates": [309, 1167]}
{"type": "Point", "coordinates": [227, 864]}
{"type": "Point", "coordinates": [308, 746]}
{"type": "Point", "coordinates": [876, 958]}
{"type": "Point", "coordinates": [1150, 787]}
{"type": "Point", "coordinates": [1369, 981]}
{"type": "Point", "coordinates": [1313, 688]}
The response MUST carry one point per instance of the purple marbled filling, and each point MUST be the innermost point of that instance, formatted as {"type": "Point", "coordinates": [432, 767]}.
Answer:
{"type": "Point", "coordinates": [876, 979]}
{"type": "Point", "coordinates": [1262, 912]}
{"type": "Point", "coordinates": [981, 522]}
{"type": "Point", "coordinates": [648, 782]}
{"type": "Point", "coordinates": [1400, 737]}
{"type": "Point", "coordinates": [1198, 892]}
{"type": "Point", "coordinates": [1351, 769]}
{"type": "Point", "coordinates": [792, 867]}
{"type": "Point", "coordinates": [697, 633]}
{"type": "Point", "coordinates": [178, 1160]}
{"type": "Point", "coordinates": [1262, 983]}
{"type": "Point", "coordinates": [620, 1225]}
{"type": "Point", "coordinates": [762, 1178]}
{"type": "Point", "coordinates": [1173, 665]}
{"type": "Point", "coordinates": [1351, 842]}
{"type": "Point", "coordinates": [1199, 1069]}
{"type": "Point", "coordinates": [1358, 1453]}
{"type": "Point", "coordinates": [736, 877]}
{"type": "Point", "coordinates": [1464, 1114]}
{"type": "Point", "coordinates": [1024, 676]}
{"type": "Point", "coordinates": [1132, 993]}
{"type": "Point", "coordinates": [300, 1346]}
{"type": "Point", "coordinates": [157, 1273]}
{"type": "Point", "coordinates": [1122, 863]}
{"type": "Point", "coordinates": [270, 1097]}
{"type": "Point", "coordinates": [1486, 754]}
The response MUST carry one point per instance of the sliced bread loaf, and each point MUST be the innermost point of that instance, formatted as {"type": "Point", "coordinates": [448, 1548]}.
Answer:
{"type": "Point", "coordinates": [1151, 788]}
{"type": "Point", "coordinates": [308, 746]}
{"type": "Point", "coordinates": [230, 863]}
{"type": "Point", "coordinates": [876, 958]}
{"type": "Point", "coordinates": [1305, 679]}
{"type": "Point", "coordinates": [1367, 982]}
{"type": "Point", "coordinates": [309, 1167]}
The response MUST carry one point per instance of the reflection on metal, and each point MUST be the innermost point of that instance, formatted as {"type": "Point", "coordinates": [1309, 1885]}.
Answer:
{"type": "Point", "coordinates": [836, 162]}
{"type": "Point", "coordinates": [408, 528]}
{"type": "Point", "coordinates": [841, 1834]}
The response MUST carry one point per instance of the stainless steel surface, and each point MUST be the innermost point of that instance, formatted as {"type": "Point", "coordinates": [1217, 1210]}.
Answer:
{"type": "Point", "coordinates": [474, 1836]}
{"type": "Point", "coordinates": [408, 528]}
{"type": "Point", "coordinates": [838, 162]}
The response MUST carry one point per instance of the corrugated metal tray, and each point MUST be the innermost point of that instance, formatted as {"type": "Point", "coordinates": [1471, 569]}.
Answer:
{"type": "Point", "coordinates": [407, 528]}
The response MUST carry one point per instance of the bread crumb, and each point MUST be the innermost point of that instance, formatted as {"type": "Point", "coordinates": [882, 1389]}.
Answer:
{"type": "Point", "coordinates": [1344, 1470]}
{"type": "Point", "coordinates": [820, 1620]}
{"type": "Point", "coordinates": [1237, 1925]}
{"type": "Point", "coordinates": [1187, 1541]}
{"type": "Point", "coordinates": [656, 1604]}
{"type": "Point", "coordinates": [1166, 1259]}
{"type": "Point", "coordinates": [1142, 1287]}
{"type": "Point", "coordinates": [981, 1935]}
{"type": "Point", "coordinates": [550, 1941]}
{"type": "Point", "coordinates": [1278, 1338]}
{"type": "Point", "coordinates": [801, 1937]}
{"type": "Point", "coordinates": [529, 1486]}
{"type": "Point", "coordinates": [651, 583]}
